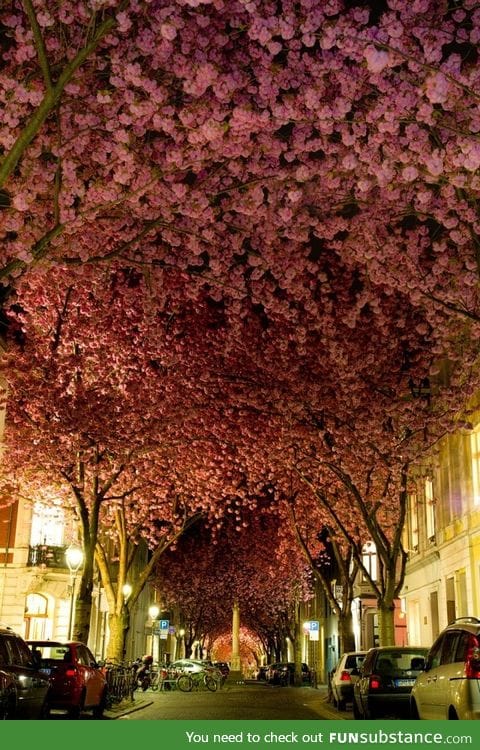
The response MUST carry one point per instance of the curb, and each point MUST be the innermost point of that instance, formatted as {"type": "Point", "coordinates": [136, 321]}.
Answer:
{"type": "Point", "coordinates": [117, 713]}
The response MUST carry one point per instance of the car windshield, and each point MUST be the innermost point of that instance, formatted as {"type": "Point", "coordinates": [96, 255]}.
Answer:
{"type": "Point", "coordinates": [52, 651]}
{"type": "Point", "coordinates": [354, 661]}
{"type": "Point", "coordinates": [399, 662]}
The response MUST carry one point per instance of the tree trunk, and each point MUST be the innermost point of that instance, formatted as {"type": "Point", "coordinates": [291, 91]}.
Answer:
{"type": "Point", "coordinates": [83, 610]}
{"type": "Point", "coordinates": [83, 607]}
{"type": "Point", "coordinates": [345, 632]}
{"type": "Point", "coordinates": [118, 626]}
{"type": "Point", "coordinates": [386, 623]}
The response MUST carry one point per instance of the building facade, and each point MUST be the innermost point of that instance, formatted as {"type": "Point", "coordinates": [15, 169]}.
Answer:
{"type": "Point", "coordinates": [37, 590]}
{"type": "Point", "coordinates": [443, 539]}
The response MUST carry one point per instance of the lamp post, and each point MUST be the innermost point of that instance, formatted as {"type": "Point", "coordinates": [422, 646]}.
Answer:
{"type": "Point", "coordinates": [154, 611]}
{"type": "Point", "coordinates": [181, 651]}
{"type": "Point", "coordinates": [74, 560]}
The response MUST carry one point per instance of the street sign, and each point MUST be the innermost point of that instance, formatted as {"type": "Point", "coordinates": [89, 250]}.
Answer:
{"type": "Point", "coordinates": [314, 630]}
{"type": "Point", "coordinates": [164, 624]}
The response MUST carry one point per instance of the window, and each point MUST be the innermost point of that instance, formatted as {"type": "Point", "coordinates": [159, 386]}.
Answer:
{"type": "Point", "coordinates": [475, 450]}
{"type": "Point", "coordinates": [450, 596]}
{"type": "Point", "coordinates": [48, 523]}
{"type": "Point", "coordinates": [429, 510]}
{"type": "Point", "coordinates": [369, 560]}
{"type": "Point", "coordinates": [449, 649]}
{"type": "Point", "coordinates": [434, 615]}
{"type": "Point", "coordinates": [36, 604]}
{"type": "Point", "coordinates": [413, 520]}
{"type": "Point", "coordinates": [82, 656]}
{"type": "Point", "coordinates": [463, 645]}
{"type": "Point", "coordinates": [434, 655]}
{"type": "Point", "coordinates": [18, 653]}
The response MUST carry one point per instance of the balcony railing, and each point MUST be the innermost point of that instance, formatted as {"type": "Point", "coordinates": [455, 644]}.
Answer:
{"type": "Point", "coordinates": [46, 556]}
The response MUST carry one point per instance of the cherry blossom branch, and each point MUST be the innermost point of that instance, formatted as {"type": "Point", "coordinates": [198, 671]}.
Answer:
{"type": "Point", "coordinates": [52, 96]}
{"type": "Point", "coordinates": [39, 44]}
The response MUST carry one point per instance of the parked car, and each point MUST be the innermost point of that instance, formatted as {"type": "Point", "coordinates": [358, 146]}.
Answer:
{"type": "Point", "coordinates": [448, 688]}
{"type": "Point", "coordinates": [386, 678]}
{"type": "Point", "coordinates": [189, 665]}
{"type": "Point", "coordinates": [8, 695]}
{"type": "Point", "coordinates": [282, 673]}
{"type": "Point", "coordinates": [344, 677]}
{"type": "Point", "coordinates": [27, 700]}
{"type": "Point", "coordinates": [76, 681]}
{"type": "Point", "coordinates": [262, 672]}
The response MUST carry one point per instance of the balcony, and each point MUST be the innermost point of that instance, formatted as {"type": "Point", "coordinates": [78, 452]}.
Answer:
{"type": "Point", "coordinates": [46, 556]}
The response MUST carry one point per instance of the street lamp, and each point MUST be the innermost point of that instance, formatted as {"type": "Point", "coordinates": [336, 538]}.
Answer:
{"type": "Point", "coordinates": [154, 611]}
{"type": "Point", "coordinates": [181, 634]}
{"type": "Point", "coordinates": [74, 559]}
{"type": "Point", "coordinates": [126, 591]}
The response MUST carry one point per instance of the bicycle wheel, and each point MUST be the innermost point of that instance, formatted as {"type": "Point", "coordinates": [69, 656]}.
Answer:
{"type": "Point", "coordinates": [210, 683]}
{"type": "Point", "coordinates": [185, 683]}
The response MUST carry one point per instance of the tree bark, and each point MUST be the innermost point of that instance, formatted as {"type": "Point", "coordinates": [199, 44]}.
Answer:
{"type": "Point", "coordinates": [345, 632]}
{"type": "Point", "coordinates": [118, 625]}
{"type": "Point", "coordinates": [386, 623]}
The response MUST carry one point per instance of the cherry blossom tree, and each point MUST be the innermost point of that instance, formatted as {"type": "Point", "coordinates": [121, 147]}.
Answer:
{"type": "Point", "coordinates": [100, 418]}
{"type": "Point", "coordinates": [332, 561]}
{"type": "Point", "coordinates": [255, 564]}
{"type": "Point", "coordinates": [151, 131]}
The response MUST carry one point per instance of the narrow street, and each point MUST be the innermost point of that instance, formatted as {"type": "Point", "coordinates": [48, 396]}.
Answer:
{"type": "Point", "coordinates": [242, 702]}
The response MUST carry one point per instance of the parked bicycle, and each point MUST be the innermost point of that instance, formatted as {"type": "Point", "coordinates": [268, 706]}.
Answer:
{"type": "Point", "coordinates": [120, 683]}
{"type": "Point", "coordinates": [210, 678]}
{"type": "Point", "coordinates": [170, 678]}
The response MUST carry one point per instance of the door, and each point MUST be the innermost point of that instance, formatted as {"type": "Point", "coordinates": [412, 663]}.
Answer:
{"type": "Point", "coordinates": [93, 679]}
{"type": "Point", "coordinates": [426, 685]}
{"type": "Point", "coordinates": [31, 685]}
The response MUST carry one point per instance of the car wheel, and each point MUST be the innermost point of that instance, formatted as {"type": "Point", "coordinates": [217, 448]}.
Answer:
{"type": "Point", "coordinates": [452, 714]}
{"type": "Point", "coordinates": [75, 711]}
{"type": "Point", "coordinates": [8, 708]}
{"type": "Point", "coordinates": [45, 710]}
{"type": "Point", "coordinates": [356, 711]}
{"type": "Point", "coordinates": [97, 711]}
{"type": "Point", "coordinates": [414, 710]}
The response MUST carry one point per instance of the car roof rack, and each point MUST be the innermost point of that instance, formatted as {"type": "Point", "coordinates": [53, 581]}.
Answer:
{"type": "Point", "coordinates": [467, 619]}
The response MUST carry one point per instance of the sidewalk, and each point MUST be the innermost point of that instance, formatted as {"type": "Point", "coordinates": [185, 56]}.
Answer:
{"type": "Point", "coordinates": [126, 707]}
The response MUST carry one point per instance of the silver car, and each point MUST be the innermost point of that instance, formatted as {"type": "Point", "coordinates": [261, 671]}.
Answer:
{"type": "Point", "coordinates": [344, 677]}
{"type": "Point", "coordinates": [449, 686]}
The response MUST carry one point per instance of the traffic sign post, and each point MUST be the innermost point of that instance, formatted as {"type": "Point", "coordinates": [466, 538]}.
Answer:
{"type": "Point", "coordinates": [164, 629]}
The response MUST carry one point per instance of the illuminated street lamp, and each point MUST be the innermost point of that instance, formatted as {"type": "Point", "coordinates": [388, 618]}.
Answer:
{"type": "Point", "coordinates": [74, 559]}
{"type": "Point", "coordinates": [126, 591]}
{"type": "Point", "coordinates": [154, 611]}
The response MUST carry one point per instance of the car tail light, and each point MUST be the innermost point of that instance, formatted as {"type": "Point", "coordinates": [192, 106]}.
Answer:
{"type": "Point", "coordinates": [345, 676]}
{"type": "Point", "coordinates": [472, 662]}
{"type": "Point", "coordinates": [375, 682]}
{"type": "Point", "coordinates": [71, 672]}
